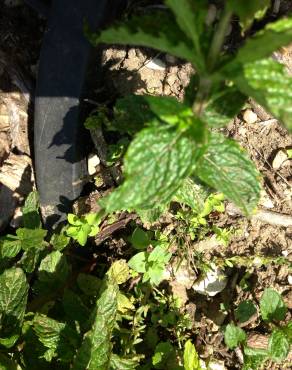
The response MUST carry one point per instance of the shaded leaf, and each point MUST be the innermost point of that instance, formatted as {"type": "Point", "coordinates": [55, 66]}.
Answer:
{"type": "Point", "coordinates": [157, 30]}
{"type": "Point", "coordinates": [140, 239]}
{"type": "Point", "coordinates": [120, 363]}
{"type": "Point", "coordinates": [13, 298]}
{"type": "Point", "coordinates": [75, 309]}
{"type": "Point", "coordinates": [59, 339]}
{"type": "Point", "coordinates": [95, 351]}
{"type": "Point", "coordinates": [245, 311]}
{"type": "Point", "coordinates": [226, 167]}
{"type": "Point", "coordinates": [247, 9]}
{"type": "Point", "coordinates": [30, 211]}
{"type": "Point", "coordinates": [7, 364]}
{"type": "Point", "coordinates": [10, 246]}
{"type": "Point", "coordinates": [265, 42]}
{"type": "Point", "coordinates": [89, 284]}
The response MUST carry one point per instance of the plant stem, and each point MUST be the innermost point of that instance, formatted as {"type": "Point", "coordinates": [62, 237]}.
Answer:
{"type": "Point", "coordinates": [218, 39]}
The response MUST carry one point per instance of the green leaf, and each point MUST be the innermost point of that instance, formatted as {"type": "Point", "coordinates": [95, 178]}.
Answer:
{"type": "Point", "coordinates": [52, 273]}
{"type": "Point", "coordinates": [120, 363]}
{"type": "Point", "coordinates": [156, 163]}
{"type": "Point", "coordinates": [160, 254]}
{"type": "Point", "coordinates": [191, 194]}
{"type": "Point", "coordinates": [272, 306]}
{"type": "Point", "coordinates": [154, 273]}
{"type": "Point", "coordinates": [138, 262]}
{"type": "Point", "coordinates": [233, 336]}
{"type": "Point", "coordinates": [223, 106]}
{"type": "Point", "coordinates": [131, 114]}
{"type": "Point", "coordinates": [190, 16]}
{"type": "Point", "coordinates": [31, 258]}
{"type": "Point", "coordinates": [118, 272]}
{"type": "Point", "coordinates": [168, 109]}
{"type": "Point", "coordinates": [247, 9]}
{"type": "Point", "coordinates": [226, 167]}
{"type": "Point", "coordinates": [30, 211]}
{"type": "Point", "coordinates": [162, 353]}
{"type": "Point", "coordinates": [140, 239]}
{"type": "Point", "coordinates": [75, 309]}
{"type": "Point", "coordinates": [269, 84]}
{"type": "Point", "coordinates": [254, 358]}
{"type": "Point", "coordinates": [157, 30]}
{"type": "Point", "coordinates": [95, 351]}
{"type": "Point", "coordinates": [89, 284]}
{"type": "Point", "coordinates": [59, 241]}
{"type": "Point", "coordinates": [245, 311]}
{"type": "Point", "coordinates": [278, 345]}
{"type": "Point", "coordinates": [31, 238]}
{"type": "Point", "coordinates": [59, 339]}
{"type": "Point", "coordinates": [13, 298]}
{"type": "Point", "coordinates": [266, 41]}
{"type": "Point", "coordinates": [191, 357]}
{"type": "Point", "coordinates": [10, 246]}
{"type": "Point", "coordinates": [7, 364]}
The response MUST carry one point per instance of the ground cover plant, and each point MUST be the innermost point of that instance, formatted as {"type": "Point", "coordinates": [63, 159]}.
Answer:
{"type": "Point", "coordinates": [67, 304]}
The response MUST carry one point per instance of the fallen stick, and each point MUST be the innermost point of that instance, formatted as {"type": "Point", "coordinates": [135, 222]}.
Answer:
{"type": "Point", "coordinates": [265, 216]}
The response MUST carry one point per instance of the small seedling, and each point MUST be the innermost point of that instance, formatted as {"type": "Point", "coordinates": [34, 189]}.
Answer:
{"type": "Point", "coordinates": [80, 228]}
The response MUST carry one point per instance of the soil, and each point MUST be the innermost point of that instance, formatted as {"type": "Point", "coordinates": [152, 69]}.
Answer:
{"type": "Point", "coordinates": [142, 71]}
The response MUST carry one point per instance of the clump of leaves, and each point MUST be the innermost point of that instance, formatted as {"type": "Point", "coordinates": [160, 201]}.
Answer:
{"type": "Point", "coordinates": [151, 262]}
{"type": "Point", "coordinates": [80, 228]}
{"type": "Point", "coordinates": [174, 140]}
{"type": "Point", "coordinates": [273, 310]}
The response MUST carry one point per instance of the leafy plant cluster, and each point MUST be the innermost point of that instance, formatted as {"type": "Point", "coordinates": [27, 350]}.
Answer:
{"type": "Point", "coordinates": [172, 141]}
{"type": "Point", "coordinates": [272, 310]}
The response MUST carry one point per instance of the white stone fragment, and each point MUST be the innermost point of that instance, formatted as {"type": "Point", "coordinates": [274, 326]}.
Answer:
{"type": "Point", "coordinates": [249, 116]}
{"type": "Point", "coordinates": [285, 253]}
{"type": "Point", "coordinates": [290, 279]}
{"type": "Point", "coordinates": [156, 64]}
{"type": "Point", "coordinates": [265, 200]}
{"type": "Point", "coordinates": [279, 159]}
{"type": "Point", "coordinates": [213, 283]}
{"type": "Point", "coordinates": [92, 162]}
{"type": "Point", "coordinates": [213, 365]}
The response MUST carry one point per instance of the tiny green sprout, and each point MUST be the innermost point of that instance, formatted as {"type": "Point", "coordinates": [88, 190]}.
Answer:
{"type": "Point", "coordinates": [80, 228]}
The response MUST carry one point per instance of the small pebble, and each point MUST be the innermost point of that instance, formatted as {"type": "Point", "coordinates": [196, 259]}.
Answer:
{"type": "Point", "coordinates": [290, 279]}
{"type": "Point", "coordinates": [156, 64]}
{"type": "Point", "coordinates": [279, 159]}
{"type": "Point", "coordinates": [249, 116]}
{"type": "Point", "coordinates": [285, 253]}
{"type": "Point", "coordinates": [92, 162]}
{"type": "Point", "coordinates": [213, 283]}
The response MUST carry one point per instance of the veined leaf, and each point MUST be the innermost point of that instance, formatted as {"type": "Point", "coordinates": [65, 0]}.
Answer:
{"type": "Point", "coordinates": [156, 163]}
{"type": "Point", "coordinates": [279, 345]}
{"type": "Point", "coordinates": [226, 167]}
{"type": "Point", "coordinates": [59, 339]}
{"type": "Point", "coordinates": [10, 246]}
{"type": "Point", "coordinates": [158, 31]}
{"type": "Point", "coordinates": [30, 211]}
{"type": "Point", "coordinates": [190, 16]}
{"type": "Point", "coordinates": [266, 41]}
{"type": "Point", "coordinates": [13, 298]}
{"type": "Point", "coordinates": [120, 363]}
{"type": "Point", "coordinates": [191, 194]}
{"type": "Point", "coordinates": [95, 351]}
{"type": "Point", "coordinates": [52, 273]}
{"type": "Point", "coordinates": [269, 84]}
{"type": "Point", "coordinates": [31, 238]}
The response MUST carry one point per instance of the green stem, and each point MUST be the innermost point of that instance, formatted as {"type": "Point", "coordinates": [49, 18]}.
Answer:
{"type": "Point", "coordinates": [218, 39]}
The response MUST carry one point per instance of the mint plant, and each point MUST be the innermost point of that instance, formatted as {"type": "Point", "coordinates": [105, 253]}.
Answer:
{"type": "Point", "coordinates": [80, 228]}
{"type": "Point", "coordinates": [272, 310]}
{"type": "Point", "coordinates": [150, 263]}
{"type": "Point", "coordinates": [175, 140]}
